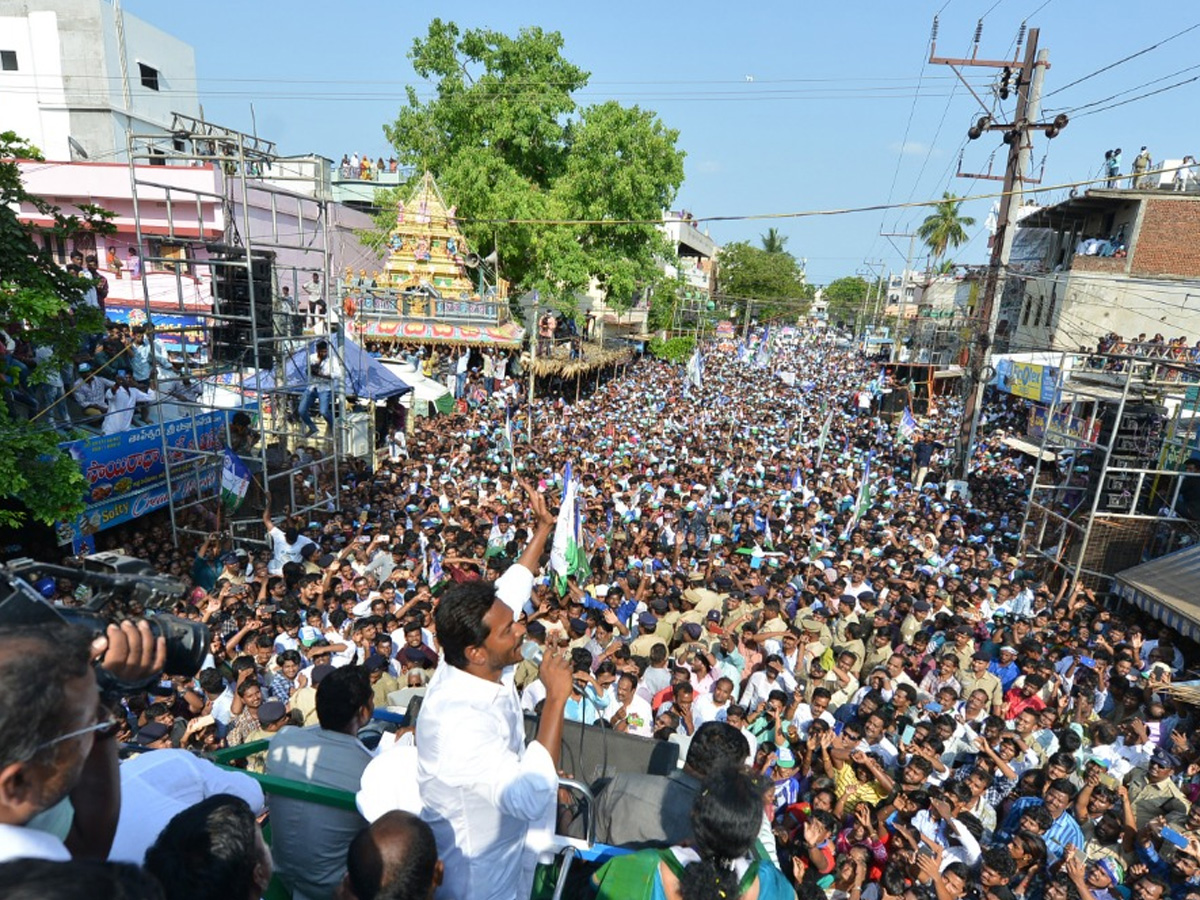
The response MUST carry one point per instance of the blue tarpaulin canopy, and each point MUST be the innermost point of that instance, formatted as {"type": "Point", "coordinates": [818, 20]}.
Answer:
{"type": "Point", "coordinates": [366, 377]}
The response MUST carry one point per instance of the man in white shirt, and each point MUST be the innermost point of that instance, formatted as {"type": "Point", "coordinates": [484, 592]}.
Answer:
{"type": "Point", "coordinates": [314, 304]}
{"type": "Point", "coordinates": [286, 546]}
{"type": "Point", "coordinates": [817, 708]}
{"type": "Point", "coordinates": [323, 370]}
{"type": "Point", "coordinates": [460, 373]}
{"type": "Point", "coordinates": [631, 713]}
{"type": "Point", "coordinates": [711, 707]}
{"type": "Point", "coordinates": [773, 677]}
{"type": "Point", "coordinates": [488, 797]}
{"type": "Point", "coordinates": [124, 396]}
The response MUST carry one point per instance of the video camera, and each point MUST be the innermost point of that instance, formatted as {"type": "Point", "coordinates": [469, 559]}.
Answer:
{"type": "Point", "coordinates": [112, 576]}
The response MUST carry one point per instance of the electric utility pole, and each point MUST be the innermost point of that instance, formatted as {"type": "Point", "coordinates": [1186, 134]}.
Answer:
{"type": "Point", "coordinates": [1028, 74]}
{"type": "Point", "coordinates": [904, 284]}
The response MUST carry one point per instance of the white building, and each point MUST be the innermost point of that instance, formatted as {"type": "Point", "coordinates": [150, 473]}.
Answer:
{"type": "Point", "coordinates": [693, 258]}
{"type": "Point", "coordinates": [77, 75]}
{"type": "Point", "coordinates": [902, 293]}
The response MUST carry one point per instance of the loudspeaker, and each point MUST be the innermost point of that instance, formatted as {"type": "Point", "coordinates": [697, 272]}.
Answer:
{"type": "Point", "coordinates": [591, 753]}
{"type": "Point", "coordinates": [1137, 444]}
{"type": "Point", "coordinates": [234, 338]}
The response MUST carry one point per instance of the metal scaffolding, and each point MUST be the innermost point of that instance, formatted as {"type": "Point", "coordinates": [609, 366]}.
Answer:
{"type": "Point", "coordinates": [1108, 476]}
{"type": "Point", "coordinates": [269, 233]}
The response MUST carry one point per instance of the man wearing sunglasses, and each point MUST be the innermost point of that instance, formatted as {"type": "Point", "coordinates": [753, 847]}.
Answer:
{"type": "Point", "coordinates": [56, 736]}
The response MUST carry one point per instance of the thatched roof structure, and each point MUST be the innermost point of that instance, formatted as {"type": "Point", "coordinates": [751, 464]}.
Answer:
{"type": "Point", "coordinates": [558, 362]}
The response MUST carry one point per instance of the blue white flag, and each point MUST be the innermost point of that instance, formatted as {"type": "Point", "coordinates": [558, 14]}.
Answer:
{"type": "Point", "coordinates": [567, 554]}
{"type": "Point", "coordinates": [235, 481]}
{"type": "Point", "coordinates": [695, 370]}
{"type": "Point", "coordinates": [764, 350]}
{"type": "Point", "coordinates": [876, 386]}
{"type": "Point", "coordinates": [908, 425]}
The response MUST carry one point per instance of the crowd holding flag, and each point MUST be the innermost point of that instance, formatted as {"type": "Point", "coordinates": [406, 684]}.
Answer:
{"type": "Point", "coordinates": [764, 349]}
{"type": "Point", "coordinates": [436, 572]}
{"type": "Point", "coordinates": [508, 434]}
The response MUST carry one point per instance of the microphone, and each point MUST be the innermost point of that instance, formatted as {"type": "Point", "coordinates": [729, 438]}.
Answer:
{"type": "Point", "coordinates": [532, 652]}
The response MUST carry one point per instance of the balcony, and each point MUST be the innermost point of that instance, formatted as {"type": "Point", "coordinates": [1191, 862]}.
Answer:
{"type": "Point", "coordinates": [360, 192]}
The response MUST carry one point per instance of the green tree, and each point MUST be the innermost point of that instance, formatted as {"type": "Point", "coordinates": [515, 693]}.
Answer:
{"type": "Point", "coordinates": [773, 241]}
{"type": "Point", "coordinates": [664, 298]}
{"type": "Point", "coordinates": [945, 227]}
{"type": "Point", "coordinates": [38, 479]}
{"type": "Point", "coordinates": [508, 144]}
{"type": "Point", "coordinates": [773, 279]}
{"type": "Point", "coordinates": [845, 298]}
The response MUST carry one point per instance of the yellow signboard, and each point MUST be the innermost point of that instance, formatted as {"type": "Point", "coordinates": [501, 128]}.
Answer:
{"type": "Point", "coordinates": [1025, 380]}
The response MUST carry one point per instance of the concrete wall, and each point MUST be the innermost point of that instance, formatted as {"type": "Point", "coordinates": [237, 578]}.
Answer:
{"type": "Point", "coordinates": [1078, 308]}
{"type": "Point", "coordinates": [71, 82]}
{"type": "Point", "coordinates": [33, 98]}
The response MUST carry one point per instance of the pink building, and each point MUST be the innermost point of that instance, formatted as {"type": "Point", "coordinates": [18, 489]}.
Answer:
{"type": "Point", "coordinates": [181, 209]}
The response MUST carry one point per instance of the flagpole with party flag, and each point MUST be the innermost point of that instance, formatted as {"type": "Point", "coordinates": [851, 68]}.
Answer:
{"type": "Point", "coordinates": [508, 436]}
{"type": "Point", "coordinates": [567, 554]}
{"type": "Point", "coordinates": [863, 502]}
{"type": "Point", "coordinates": [824, 436]}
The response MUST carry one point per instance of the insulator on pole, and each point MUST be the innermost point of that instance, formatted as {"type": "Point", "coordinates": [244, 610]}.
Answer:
{"type": "Point", "coordinates": [933, 31]}
{"type": "Point", "coordinates": [979, 31]}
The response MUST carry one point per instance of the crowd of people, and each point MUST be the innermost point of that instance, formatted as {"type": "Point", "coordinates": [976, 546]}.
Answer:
{"type": "Point", "coordinates": [110, 382]}
{"type": "Point", "coordinates": [354, 167]}
{"type": "Point", "coordinates": [872, 693]}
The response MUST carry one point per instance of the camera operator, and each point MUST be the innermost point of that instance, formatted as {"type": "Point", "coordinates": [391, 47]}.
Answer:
{"type": "Point", "coordinates": [58, 758]}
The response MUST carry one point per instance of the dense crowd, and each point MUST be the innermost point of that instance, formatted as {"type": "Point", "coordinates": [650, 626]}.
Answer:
{"type": "Point", "coordinates": [874, 695]}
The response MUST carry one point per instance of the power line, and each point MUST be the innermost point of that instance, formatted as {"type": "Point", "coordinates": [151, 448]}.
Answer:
{"type": "Point", "coordinates": [908, 124]}
{"type": "Point", "coordinates": [1074, 109]}
{"type": "Point", "coordinates": [1163, 90]}
{"type": "Point", "coordinates": [1124, 59]}
{"type": "Point", "coordinates": [838, 94]}
{"type": "Point", "coordinates": [813, 213]}
{"type": "Point", "coordinates": [518, 82]}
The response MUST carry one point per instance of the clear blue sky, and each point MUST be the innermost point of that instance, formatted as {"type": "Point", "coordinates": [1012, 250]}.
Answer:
{"type": "Point", "coordinates": [821, 124]}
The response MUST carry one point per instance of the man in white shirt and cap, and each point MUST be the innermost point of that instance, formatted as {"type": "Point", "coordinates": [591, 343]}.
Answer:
{"type": "Point", "coordinates": [488, 797]}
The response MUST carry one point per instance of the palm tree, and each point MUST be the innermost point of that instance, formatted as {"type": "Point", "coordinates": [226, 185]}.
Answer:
{"type": "Point", "coordinates": [773, 241]}
{"type": "Point", "coordinates": [945, 228]}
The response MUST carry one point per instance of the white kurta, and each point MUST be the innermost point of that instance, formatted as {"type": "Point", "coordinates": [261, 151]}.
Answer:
{"type": "Point", "coordinates": [488, 797]}
{"type": "Point", "coordinates": [121, 403]}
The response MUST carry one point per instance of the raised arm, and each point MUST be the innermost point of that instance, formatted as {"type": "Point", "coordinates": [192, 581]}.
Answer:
{"type": "Point", "coordinates": [531, 557]}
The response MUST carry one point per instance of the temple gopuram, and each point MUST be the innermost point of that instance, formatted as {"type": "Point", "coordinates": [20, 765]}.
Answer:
{"type": "Point", "coordinates": [434, 288]}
